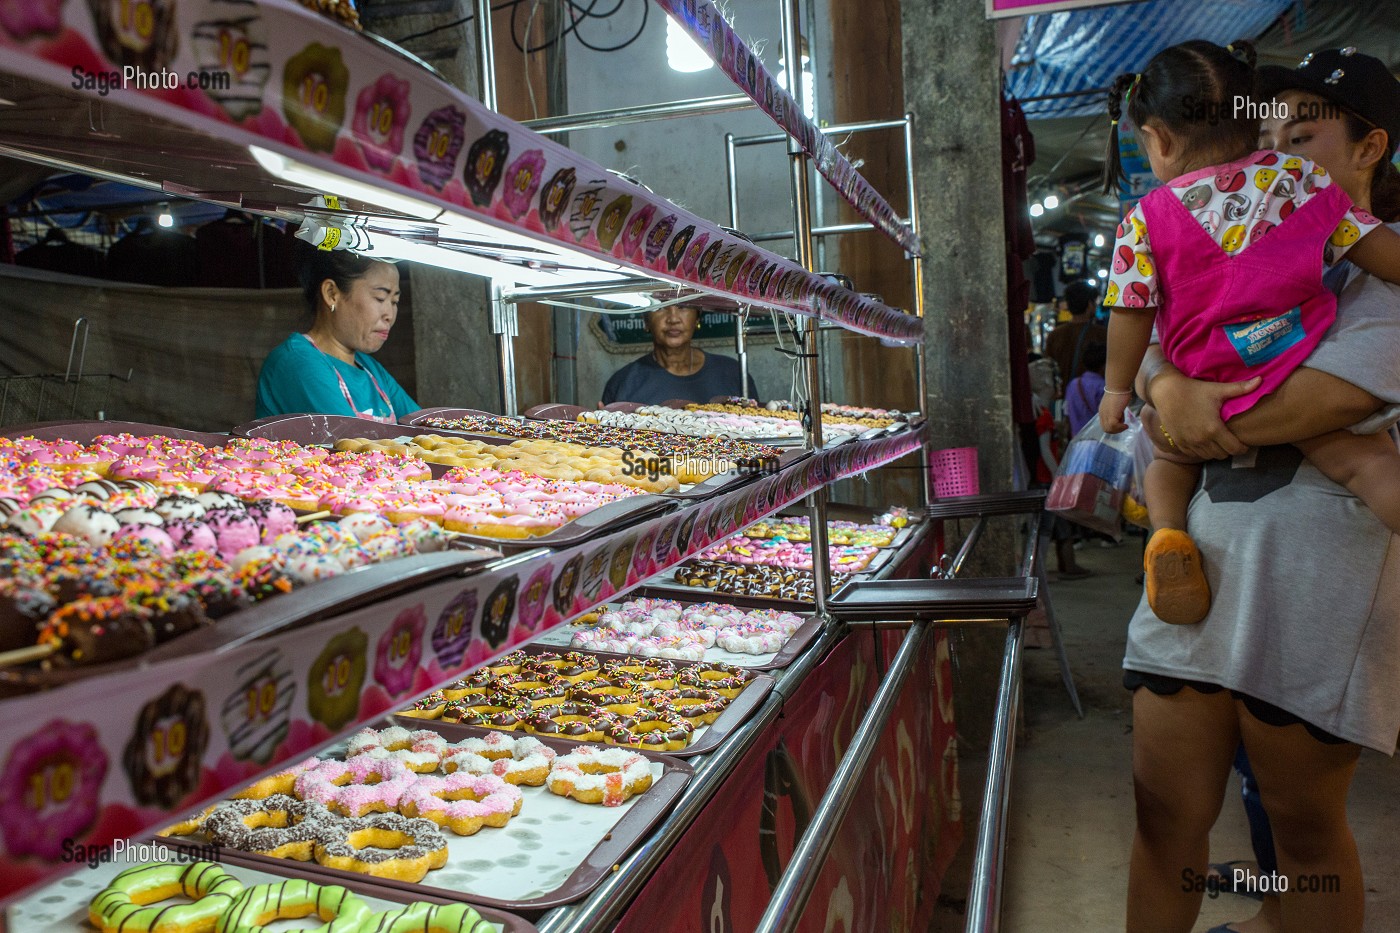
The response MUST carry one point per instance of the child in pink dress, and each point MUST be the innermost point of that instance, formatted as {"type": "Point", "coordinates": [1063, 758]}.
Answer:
{"type": "Point", "coordinates": [1226, 260]}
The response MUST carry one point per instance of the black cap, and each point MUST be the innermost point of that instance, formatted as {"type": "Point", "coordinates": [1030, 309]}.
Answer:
{"type": "Point", "coordinates": [1357, 82]}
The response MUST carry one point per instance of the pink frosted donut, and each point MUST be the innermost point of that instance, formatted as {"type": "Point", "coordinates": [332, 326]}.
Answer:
{"type": "Point", "coordinates": [344, 786]}
{"type": "Point", "coordinates": [463, 801]}
{"type": "Point", "coordinates": [191, 536]}
{"type": "Point", "coordinates": [150, 535]}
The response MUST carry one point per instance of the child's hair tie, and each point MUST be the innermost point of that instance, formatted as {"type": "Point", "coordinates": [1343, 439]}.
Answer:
{"type": "Point", "coordinates": [1132, 87]}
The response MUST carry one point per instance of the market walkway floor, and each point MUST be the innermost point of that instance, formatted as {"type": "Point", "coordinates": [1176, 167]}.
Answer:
{"type": "Point", "coordinates": [1071, 814]}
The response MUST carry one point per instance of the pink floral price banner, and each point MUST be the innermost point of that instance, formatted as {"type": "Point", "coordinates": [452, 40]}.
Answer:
{"type": "Point", "coordinates": [123, 754]}
{"type": "Point", "coordinates": [703, 20]}
{"type": "Point", "coordinates": [231, 74]}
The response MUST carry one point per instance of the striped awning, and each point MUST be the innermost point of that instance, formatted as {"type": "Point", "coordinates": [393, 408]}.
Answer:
{"type": "Point", "coordinates": [1061, 53]}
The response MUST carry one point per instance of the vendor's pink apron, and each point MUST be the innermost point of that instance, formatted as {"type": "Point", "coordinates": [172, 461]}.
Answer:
{"type": "Point", "coordinates": [345, 391]}
{"type": "Point", "coordinates": [1259, 312]}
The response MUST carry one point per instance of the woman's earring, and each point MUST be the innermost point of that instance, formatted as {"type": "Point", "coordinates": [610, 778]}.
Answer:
{"type": "Point", "coordinates": [332, 309]}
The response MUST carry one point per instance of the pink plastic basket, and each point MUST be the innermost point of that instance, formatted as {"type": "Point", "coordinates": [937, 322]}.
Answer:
{"type": "Point", "coordinates": [954, 472]}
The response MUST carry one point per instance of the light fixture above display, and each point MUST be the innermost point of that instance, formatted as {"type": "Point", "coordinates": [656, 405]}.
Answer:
{"type": "Point", "coordinates": [683, 53]}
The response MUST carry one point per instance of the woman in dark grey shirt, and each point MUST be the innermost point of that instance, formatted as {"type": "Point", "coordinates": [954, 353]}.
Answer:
{"type": "Point", "coordinates": [676, 368]}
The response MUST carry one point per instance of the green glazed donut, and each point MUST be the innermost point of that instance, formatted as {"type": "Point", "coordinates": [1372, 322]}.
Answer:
{"type": "Point", "coordinates": [429, 918]}
{"type": "Point", "coordinates": [262, 904]}
{"type": "Point", "coordinates": [131, 902]}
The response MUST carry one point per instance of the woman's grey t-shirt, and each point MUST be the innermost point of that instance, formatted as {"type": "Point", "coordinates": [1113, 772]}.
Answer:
{"type": "Point", "coordinates": [1305, 581]}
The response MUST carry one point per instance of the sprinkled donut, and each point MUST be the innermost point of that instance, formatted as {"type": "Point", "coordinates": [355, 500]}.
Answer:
{"type": "Point", "coordinates": [610, 776]}
{"type": "Point", "coordinates": [652, 728]}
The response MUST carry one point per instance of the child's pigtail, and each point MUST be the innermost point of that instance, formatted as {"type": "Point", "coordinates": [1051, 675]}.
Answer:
{"type": "Point", "coordinates": [1114, 176]}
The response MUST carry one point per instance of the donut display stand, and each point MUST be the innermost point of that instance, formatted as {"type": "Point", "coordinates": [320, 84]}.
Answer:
{"type": "Point", "coordinates": [111, 755]}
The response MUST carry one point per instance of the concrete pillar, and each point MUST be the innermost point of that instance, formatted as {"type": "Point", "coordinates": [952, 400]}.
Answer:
{"type": "Point", "coordinates": [455, 357]}
{"type": "Point", "coordinates": [952, 86]}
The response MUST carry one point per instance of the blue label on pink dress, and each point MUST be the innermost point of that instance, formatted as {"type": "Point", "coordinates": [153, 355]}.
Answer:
{"type": "Point", "coordinates": [1262, 340]}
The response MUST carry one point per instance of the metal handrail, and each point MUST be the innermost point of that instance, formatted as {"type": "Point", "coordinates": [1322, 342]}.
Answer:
{"type": "Point", "coordinates": [603, 119]}
{"type": "Point", "coordinates": [711, 770]}
{"type": "Point", "coordinates": [984, 893]}
{"type": "Point", "coordinates": [795, 886]}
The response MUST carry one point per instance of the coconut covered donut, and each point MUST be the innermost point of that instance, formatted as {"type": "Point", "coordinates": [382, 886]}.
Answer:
{"type": "Point", "coordinates": [278, 826]}
{"type": "Point", "coordinates": [518, 761]}
{"type": "Point", "coordinates": [386, 845]}
{"type": "Point", "coordinates": [609, 776]}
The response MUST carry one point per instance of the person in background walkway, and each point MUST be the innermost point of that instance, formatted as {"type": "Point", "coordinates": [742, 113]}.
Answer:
{"type": "Point", "coordinates": [1044, 385]}
{"type": "Point", "coordinates": [1068, 342]}
{"type": "Point", "coordinates": [328, 370]}
{"type": "Point", "coordinates": [1083, 394]}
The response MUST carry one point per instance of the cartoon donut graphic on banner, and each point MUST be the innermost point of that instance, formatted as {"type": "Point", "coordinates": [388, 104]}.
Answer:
{"type": "Point", "coordinates": [584, 209]}
{"type": "Point", "coordinates": [595, 571]}
{"type": "Point", "coordinates": [566, 584]}
{"type": "Point", "coordinates": [453, 632]}
{"type": "Point", "coordinates": [486, 163]}
{"type": "Point", "coordinates": [781, 781]}
{"type": "Point", "coordinates": [399, 651]}
{"type": "Point", "coordinates": [716, 898]}
{"type": "Point", "coordinates": [233, 45]}
{"type": "Point", "coordinates": [136, 35]}
{"type": "Point", "coordinates": [614, 216]}
{"type": "Point", "coordinates": [554, 197]}
{"type": "Point", "coordinates": [51, 789]}
{"type": "Point", "coordinates": [314, 84]}
{"type": "Point", "coordinates": [256, 716]}
{"type": "Point", "coordinates": [437, 143]}
{"type": "Point", "coordinates": [162, 758]}
{"type": "Point", "coordinates": [498, 610]}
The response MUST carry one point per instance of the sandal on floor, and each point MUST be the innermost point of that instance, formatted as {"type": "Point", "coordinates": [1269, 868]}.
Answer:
{"type": "Point", "coordinates": [1177, 589]}
{"type": "Point", "coordinates": [1223, 928]}
{"type": "Point", "coordinates": [1078, 573]}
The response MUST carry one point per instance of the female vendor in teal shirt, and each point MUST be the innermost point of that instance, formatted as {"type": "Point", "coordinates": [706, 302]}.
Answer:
{"type": "Point", "coordinates": [328, 369]}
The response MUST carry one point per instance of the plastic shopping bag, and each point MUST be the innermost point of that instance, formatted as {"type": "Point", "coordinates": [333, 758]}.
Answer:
{"type": "Point", "coordinates": [1094, 478]}
{"type": "Point", "coordinates": [1135, 502]}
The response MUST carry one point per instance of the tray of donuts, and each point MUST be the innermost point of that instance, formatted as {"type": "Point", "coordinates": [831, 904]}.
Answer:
{"type": "Point", "coordinates": [430, 810]}
{"type": "Point", "coordinates": [683, 466]}
{"type": "Point", "coordinates": [172, 888]}
{"type": "Point", "coordinates": [653, 704]}
{"type": "Point", "coordinates": [694, 630]}
{"type": "Point", "coordinates": [756, 586]}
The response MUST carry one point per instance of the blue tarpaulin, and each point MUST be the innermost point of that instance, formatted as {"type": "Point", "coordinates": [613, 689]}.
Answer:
{"type": "Point", "coordinates": [1082, 50]}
